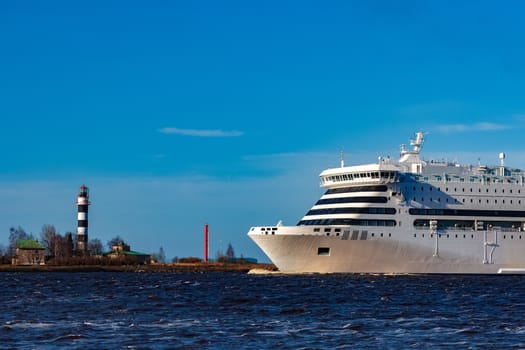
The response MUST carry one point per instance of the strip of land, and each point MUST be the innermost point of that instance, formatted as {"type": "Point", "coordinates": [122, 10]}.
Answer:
{"type": "Point", "coordinates": [175, 267]}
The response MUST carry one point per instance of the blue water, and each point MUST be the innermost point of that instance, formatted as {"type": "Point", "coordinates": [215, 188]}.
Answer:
{"type": "Point", "coordinates": [239, 311]}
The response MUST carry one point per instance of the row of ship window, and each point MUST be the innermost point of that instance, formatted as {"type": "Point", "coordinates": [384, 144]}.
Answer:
{"type": "Point", "coordinates": [352, 200]}
{"type": "Point", "coordinates": [377, 188]}
{"type": "Point", "coordinates": [384, 175]}
{"type": "Point", "coordinates": [383, 188]}
{"type": "Point", "coordinates": [422, 224]}
{"type": "Point", "coordinates": [417, 211]}
{"type": "Point", "coordinates": [385, 199]}
{"type": "Point", "coordinates": [337, 233]}
{"type": "Point", "coordinates": [347, 222]}
{"type": "Point", "coordinates": [455, 200]}
{"type": "Point", "coordinates": [422, 235]}
{"type": "Point", "coordinates": [467, 212]}
{"type": "Point", "coordinates": [462, 190]}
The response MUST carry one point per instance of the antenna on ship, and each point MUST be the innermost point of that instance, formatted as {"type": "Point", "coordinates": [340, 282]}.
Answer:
{"type": "Point", "coordinates": [342, 158]}
{"type": "Point", "coordinates": [418, 142]}
{"type": "Point", "coordinates": [502, 163]}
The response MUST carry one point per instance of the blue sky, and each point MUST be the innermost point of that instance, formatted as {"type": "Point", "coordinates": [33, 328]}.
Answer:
{"type": "Point", "coordinates": [180, 113]}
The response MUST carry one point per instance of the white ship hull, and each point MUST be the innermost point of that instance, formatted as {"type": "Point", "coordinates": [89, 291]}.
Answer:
{"type": "Point", "coordinates": [293, 251]}
{"type": "Point", "coordinates": [407, 217]}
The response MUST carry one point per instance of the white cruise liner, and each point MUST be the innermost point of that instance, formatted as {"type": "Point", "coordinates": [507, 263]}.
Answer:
{"type": "Point", "coordinates": [409, 216]}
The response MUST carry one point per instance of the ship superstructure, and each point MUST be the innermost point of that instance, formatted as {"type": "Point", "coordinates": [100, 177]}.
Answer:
{"type": "Point", "coordinates": [407, 216]}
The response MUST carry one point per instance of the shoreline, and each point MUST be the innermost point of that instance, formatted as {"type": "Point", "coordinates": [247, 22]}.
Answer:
{"type": "Point", "coordinates": [174, 268]}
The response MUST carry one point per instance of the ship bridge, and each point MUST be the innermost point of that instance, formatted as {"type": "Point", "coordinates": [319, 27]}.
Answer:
{"type": "Point", "coordinates": [359, 175]}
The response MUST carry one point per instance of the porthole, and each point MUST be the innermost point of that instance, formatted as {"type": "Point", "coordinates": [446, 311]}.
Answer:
{"type": "Point", "coordinates": [414, 235]}
{"type": "Point", "coordinates": [423, 235]}
{"type": "Point", "coordinates": [389, 235]}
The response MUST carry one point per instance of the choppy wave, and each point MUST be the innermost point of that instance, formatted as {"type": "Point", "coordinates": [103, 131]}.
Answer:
{"type": "Point", "coordinates": [242, 311]}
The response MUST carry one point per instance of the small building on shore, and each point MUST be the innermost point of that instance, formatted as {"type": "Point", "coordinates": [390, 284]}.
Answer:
{"type": "Point", "coordinates": [123, 251]}
{"type": "Point", "coordinates": [29, 252]}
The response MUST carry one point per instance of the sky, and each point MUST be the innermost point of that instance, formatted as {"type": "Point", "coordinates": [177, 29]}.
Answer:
{"type": "Point", "coordinates": [180, 113]}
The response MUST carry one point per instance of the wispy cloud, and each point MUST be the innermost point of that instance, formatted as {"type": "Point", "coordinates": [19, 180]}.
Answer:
{"type": "Point", "coordinates": [201, 132]}
{"type": "Point", "coordinates": [483, 126]}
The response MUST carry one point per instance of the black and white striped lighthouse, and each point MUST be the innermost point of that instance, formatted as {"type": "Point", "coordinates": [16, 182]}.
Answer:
{"type": "Point", "coordinates": [82, 229]}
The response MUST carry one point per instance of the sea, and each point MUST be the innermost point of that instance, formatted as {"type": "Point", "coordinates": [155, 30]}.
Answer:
{"type": "Point", "coordinates": [106, 310]}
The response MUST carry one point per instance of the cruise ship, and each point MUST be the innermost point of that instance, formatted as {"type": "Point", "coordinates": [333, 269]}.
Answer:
{"type": "Point", "coordinates": [409, 216]}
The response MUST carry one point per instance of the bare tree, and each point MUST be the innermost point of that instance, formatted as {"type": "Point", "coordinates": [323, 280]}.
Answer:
{"type": "Point", "coordinates": [3, 251]}
{"type": "Point", "coordinates": [159, 257]}
{"type": "Point", "coordinates": [162, 255]}
{"type": "Point", "coordinates": [115, 241]}
{"type": "Point", "coordinates": [16, 234]}
{"type": "Point", "coordinates": [48, 235]}
{"type": "Point", "coordinates": [68, 247]}
{"type": "Point", "coordinates": [230, 254]}
{"type": "Point", "coordinates": [95, 247]}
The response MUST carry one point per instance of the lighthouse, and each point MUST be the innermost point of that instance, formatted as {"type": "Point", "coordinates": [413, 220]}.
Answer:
{"type": "Point", "coordinates": [82, 229]}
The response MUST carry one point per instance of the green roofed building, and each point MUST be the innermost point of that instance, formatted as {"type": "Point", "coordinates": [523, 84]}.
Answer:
{"type": "Point", "coordinates": [122, 250]}
{"type": "Point", "coordinates": [29, 252]}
